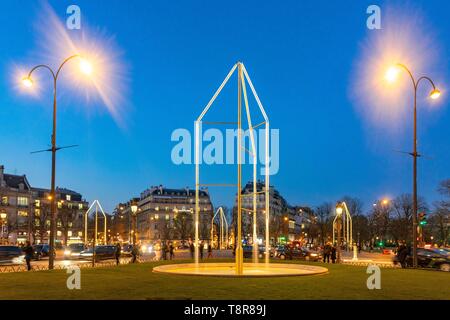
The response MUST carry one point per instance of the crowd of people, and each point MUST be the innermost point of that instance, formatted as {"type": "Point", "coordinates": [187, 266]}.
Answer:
{"type": "Point", "coordinates": [329, 252]}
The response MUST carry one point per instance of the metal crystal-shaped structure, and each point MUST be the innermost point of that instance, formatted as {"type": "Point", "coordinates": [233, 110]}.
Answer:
{"type": "Point", "coordinates": [243, 79]}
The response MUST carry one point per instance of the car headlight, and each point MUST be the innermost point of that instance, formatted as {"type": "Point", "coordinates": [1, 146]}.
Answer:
{"type": "Point", "coordinates": [18, 260]}
{"type": "Point", "coordinates": [313, 254]}
{"type": "Point", "coordinates": [150, 249]}
{"type": "Point", "coordinates": [144, 248]}
{"type": "Point", "coordinates": [67, 252]}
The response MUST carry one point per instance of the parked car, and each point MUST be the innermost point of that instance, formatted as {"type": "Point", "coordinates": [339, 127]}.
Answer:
{"type": "Point", "coordinates": [73, 251]}
{"type": "Point", "coordinates": [101, 253]}
{"type": "Point", "coordinates": [430, 258]}
{"type": "Point", "coordinates": [248, 251]}
{"type": "Point", "coordinates": [288, 252]}
{"type": "Point", "coordinates": [11, 254]}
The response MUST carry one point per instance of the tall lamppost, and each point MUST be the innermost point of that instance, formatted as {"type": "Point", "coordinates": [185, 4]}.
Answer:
{"type": "Point", "coordinates": [339, 211]}
{"type": "Point", "coordinates": [86, 68]}
{"type": "Point", "coordinates": [4, 221]}
{"type": "Point", "coordinates": [391, 76]}
{"type": "Point", "coordinates": [134, 209]}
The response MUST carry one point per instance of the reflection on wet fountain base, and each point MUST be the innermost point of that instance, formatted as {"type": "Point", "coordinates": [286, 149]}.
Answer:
{"type": "Point", "coordinates": [250, 269]}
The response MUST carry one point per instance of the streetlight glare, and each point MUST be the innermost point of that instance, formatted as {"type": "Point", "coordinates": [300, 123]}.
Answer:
{"type": "Point", "coordinates": [339, 210]}
{"type": "Point", "coordinates": [27, 82]}
{"type": "Point", "coordinates": [392, 74]}
{"type": "Point", "coordinates": [86, 67]}
{"type": "Point", "coordinates": [435, 94]}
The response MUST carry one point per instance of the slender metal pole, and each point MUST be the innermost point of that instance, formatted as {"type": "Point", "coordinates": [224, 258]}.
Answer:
{"type": "Point", "coordinates": [239, 252]}
{"type": "Point", "coordinates": [197, 186]}
{"type": "Point", "coordinates": [339, 226]}
{"type": "Point", "coordinates": [267, 194]}
{"type": "Point", "coordinates": [51, 259]}
{"type": "Point", "coordinates": [415, 181]}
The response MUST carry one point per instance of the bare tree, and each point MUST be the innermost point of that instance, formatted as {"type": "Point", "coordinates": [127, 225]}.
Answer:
{"type": "Point", "coordinates": [402, 210]}
{"type": "Point", "coordinates": [324, 213]}
{"type": "Point", "coordinates": [183, 225]}
{"type": "Point", "coordinates": [440, 219]}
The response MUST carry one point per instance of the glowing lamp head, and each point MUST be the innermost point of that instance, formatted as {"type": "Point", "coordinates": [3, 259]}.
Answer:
{"type": "Point", "coordinates": [85, 66]}
{"type": "Point", "coordinates": [392, 74]}
{"type": "Point", "coordinates": [435, 94]}
{"type": "Point", "coordinates": [27, 82]}
{"type": "Point", "coordinates": [339, 209]}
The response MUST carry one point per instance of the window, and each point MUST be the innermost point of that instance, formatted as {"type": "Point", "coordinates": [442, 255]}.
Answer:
{"type": "Point", "coordinates": [68, 197]}
{"type": "Point", "coordinates": [37, 212]}
{"type": "Point", "coordinates": [22, 214]}
{"type": "Point", "coordinates": [167, 217]}
{"type": "Point", "coordinates": [80, 206]}
{"type": "Point", "coordinates": [37, 222]}
{"type": "Point", "coordinates": [4, 200]}
{"type": "Point", "coordinates": [37, 203]}
{"type": "Point", "coordinates": [156, 216]}
{"type": "Point", "coordinates": [22, 201]}
{"type": "Point", "coordinates": [69, 233]}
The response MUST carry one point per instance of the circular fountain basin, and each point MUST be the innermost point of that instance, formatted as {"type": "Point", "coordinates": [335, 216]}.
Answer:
{"type": "Point", "coordinates": [250, 269]}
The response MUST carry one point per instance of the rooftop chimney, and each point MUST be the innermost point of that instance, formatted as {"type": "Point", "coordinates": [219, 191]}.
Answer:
{"type": "Point", "coordinates": [2, 170]}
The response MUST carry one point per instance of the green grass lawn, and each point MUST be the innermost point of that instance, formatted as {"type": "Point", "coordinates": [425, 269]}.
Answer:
{"type": "Point", "coordinates": [139, 282]}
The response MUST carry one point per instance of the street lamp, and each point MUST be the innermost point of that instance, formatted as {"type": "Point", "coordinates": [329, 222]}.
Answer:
{"type": "Point", "coordinates": [3, 220]}
{"type": "Point", "coordinates": [339, 210]}
{"type": "Point", "coordinates": [391, 76]}
{"type": "Point", "coordinates": [134, 209]}
{"type": "Point", "coordinates": [86, 68]}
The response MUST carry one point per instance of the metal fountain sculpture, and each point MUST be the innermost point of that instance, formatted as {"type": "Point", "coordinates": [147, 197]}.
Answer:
{"type": "Point", "coordinates": [242, 77]}
{"type": "Point", "coordinates": [222, 229]}
{"type": "Point", "coordinates": [238, 268]}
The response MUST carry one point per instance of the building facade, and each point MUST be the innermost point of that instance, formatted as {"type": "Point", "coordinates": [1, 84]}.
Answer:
{"type": "Point", "coordinates": [164, 214]}
{"type": "Point", "coordinates": [283, 223]}
{"type": "Point", "coordinates": [25, 212]}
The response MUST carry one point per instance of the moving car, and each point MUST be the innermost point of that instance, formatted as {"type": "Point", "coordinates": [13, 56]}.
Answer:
{"type": "Point", "coordinates": [11, 255]}
{"type": "Point", "coordinates": [41, 250]}
{"type": "Point", "coordinates": [288, 252]}
{"type": "Point", "coordinates": [101, 253]}
{"type": "Point", "coordinates": [430, 258]}
{"type": "Point", "coordinates": [73, 251]}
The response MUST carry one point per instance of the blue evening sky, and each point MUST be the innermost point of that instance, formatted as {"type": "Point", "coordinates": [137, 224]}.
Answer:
{"type": "Point", "coordinates": [300, 55]}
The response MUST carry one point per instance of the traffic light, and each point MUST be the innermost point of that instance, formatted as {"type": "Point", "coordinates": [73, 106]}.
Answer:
{"type": "Point", "coordinates": [422, 218]}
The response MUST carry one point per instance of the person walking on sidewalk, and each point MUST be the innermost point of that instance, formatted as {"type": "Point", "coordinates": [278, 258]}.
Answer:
{"type": "Point", "coordinates": [134, 253]}
{"type": "Point", "coordinates": [28, 250]}
{"type": "Point", "coordinates": [118, 253]}
{"type": "Point", "coordinates": [171, 251]}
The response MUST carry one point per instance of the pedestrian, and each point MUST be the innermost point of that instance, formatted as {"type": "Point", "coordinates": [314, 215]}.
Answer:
{"type": "Point", "coordinates": [192, 249]}
{"type": "Point", "coordinates": [158, 251]}
{"type": "Point", "coordinates": [202, 245]}
{"type": "Point", "coordinates": [402, 254]}
{"type": "Point", "coordinates": [210, 251]}
{"type": "Point", "coordinates": [28, 249]}
{"type": "Point", "coordinates": [326, 253]}
{"type": "Point", "coordinates": [333, 254]}
{"type": "Point", "coordinates": [171, 253]}
{"type": "Point", "coordinates": [134, 253]}
{"type": "Point", "coordinates": [164, 250]}
{"type": "Point", "coordinates": [118, 253]}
